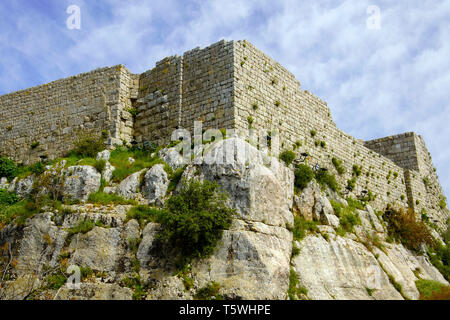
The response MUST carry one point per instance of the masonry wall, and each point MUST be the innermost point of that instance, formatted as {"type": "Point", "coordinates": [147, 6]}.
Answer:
{"type": "Point", "coordinates": [55, 113]}
{"type": "Point", "coordinates": [260, 83]}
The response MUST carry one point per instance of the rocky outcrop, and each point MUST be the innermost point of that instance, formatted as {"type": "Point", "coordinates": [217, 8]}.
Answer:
{"type": "Point", "coordinates": [172, 157]}
{"type": "Point", "coordinates": [129, 188]}
{"type": "Point", "coordinates": [253, 260]}
{"type": "Point", "coordinates": [80, 182]}
{"type": "Point", "coordinates": [155, 185]}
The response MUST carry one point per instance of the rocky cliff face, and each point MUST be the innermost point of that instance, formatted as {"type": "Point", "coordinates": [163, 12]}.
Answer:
{"type": "Point", "coordinates": [257, 258]}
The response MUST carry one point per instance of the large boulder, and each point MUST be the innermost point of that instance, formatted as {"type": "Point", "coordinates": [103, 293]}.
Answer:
{"type": "Point", "coordinates": [252, 260]}
{"type": "Point", "coordinates": [24, 187]}
{"type": "Point", "coordinates": [98, 249]}
{"type": "Point", "coordinates": [305, 201]}
{"type": "Point", "coordinates": [129, 187]}
{"type": "Point", "coordinates": [108, 172]}
{"type": "Point", "coordinates": [259, 187]}
{"type": "Point", "coordinates": [172, 157]}
{"type": "Point", "coordinates": [4, 183]}
{"type": "Point", "coordinates": [155, 185]}
{"type": "Point", "coordinates": [104, 155]}
{"type": "Point", "coordinates": [80, 182]}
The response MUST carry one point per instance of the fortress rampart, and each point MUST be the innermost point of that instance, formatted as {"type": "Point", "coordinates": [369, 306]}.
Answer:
{"type": "Point", "coordinates": [226, 85]}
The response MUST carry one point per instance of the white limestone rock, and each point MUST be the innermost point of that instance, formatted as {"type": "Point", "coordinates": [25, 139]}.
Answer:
{"type": "Point", "coordinates": [98, 249]}
{"type": "Point", "coordinates": [80, 182]}
{"type": "Point", "coordinates": [129, 187]}
{"type": "Point", "coordinates": [172, 157]}
{"type": "Point", "coordinates": [24, 187]}
{"type": "Point", "coordinates": [104, 155]}
{"type": "Point", "coordinates": [155, 185]}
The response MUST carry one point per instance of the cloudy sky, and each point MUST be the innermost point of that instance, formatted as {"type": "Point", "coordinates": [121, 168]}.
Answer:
{"type": "Point", "coordinates": [377, 82]}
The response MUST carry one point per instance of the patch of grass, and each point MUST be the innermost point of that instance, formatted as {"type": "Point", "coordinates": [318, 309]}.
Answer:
{"type": "Point", "coordinates": [287, 157]}
{"type": "Point", "coordinates": [302, 226]}
{"type": "Point", "coordinates": [208, 292]}
{"type": "Point", "coordinates": [18, 212]}
{"type": "Point", "coordinates": [84, 226]}
{"type": "Point", "coordinates": [440, 258]}
{"type": "Point", "coordinates": [370, 291]}
{"type": "Point", "coordinates": [295, 289]}
{"type": "Point", "coordinates": [313, 133]}
{"type": "Point", "coordinates": [144, 214]}
{"type": "Point", "coordinates": [56, 281]}
{"type": "Point", "coordinates": [175, 179]}
{"type": "Point", "coordinates": [106, 198]}
{"type": "Point", "coordinates": [137, 285]}
{"type": "Point", "coordinates": [357, 170]}
{"type": "Point", "coordinates": [123, 168]}
{"type": "Point", "coordinates": [432, 290]}
{"type": "Point", "coordinates": [337, 163]}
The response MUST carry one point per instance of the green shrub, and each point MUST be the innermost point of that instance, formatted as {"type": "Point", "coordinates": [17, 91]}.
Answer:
{"type": "Point", "coordinates": [100, 165]}
{"type": "Point", "coordinates": [195, 219]}
{"type": "Point", "coordinates": [326, 179]}
{"type": "Point", "coordinates": [7, 198]}
{"type": "Point", "coordinates": [287, 157]}
{"type": "Point", "coordinates": [209, 292]}
{"type": "Point", "coordinates": [88, 146]}
{"type": "Point", "coordinates": [338, 165]}
{"type": "Point", "coordinates": [353, 203]}
{"type": "Point", "coordinates": [303, 175]}
{"type": "Point", "coordinates": [301, 226]}
{"type": "Point", "coordinates": [356, 170]}
{"type": "Point", "coordinates": [403, 226]}
{"type": "Point", "coordinates": [34, 145]}
{"type": "Point", "coordinates": [8, 168]}
{"type": "Point", "coordinates": [442, 202]}
{"type": "Point", "coordinates": [348, 220]}
{"type": "Point", "coordinates": [313, 133]}
{"type": "Point", "coordinates": [351, 184]}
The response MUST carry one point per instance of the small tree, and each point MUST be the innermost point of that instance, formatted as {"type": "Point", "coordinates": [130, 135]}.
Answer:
{"type": "Point", "coordinates": [195, 219]}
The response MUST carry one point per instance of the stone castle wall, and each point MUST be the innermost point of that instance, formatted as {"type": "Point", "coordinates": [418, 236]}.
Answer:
{"type": "Point", "coordinates": [261, 83]}
{"type": "Point", "coordinates": [46, 120]}
{"type": "Point", "coordinates": [226, 85]}
{"type": "Point", "coordinates": [180, 90]}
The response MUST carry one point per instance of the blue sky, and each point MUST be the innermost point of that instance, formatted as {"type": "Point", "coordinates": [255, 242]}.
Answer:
{"type": "Point", "coordinates": [376, 82]}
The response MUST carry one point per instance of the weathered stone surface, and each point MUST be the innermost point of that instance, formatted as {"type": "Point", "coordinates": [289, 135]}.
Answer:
{"type": "Point", "coordinates": [173, 158]}
{"type": "Point", "coordinates": [4, 183]}
{"type": "Point", "coordinates": [322, 208]}
{"type": "Point", "coordinates": [401, 264]}
{"type": "Point", "coordinates": [155, 185]}
{"type": "Point", "coordinates": [252, 262]}
{"type": "Point", "coordinates": [129, 187]}
{"type": "Point", "coordinates": [304, 202]}
{"type": "Point", "coordinates": [104, 155]}
{"type": "Point", "coordinates": [108, 172]}
{"type": "Point", "coordinates": [24, 187]}
{"type": "Point", "coordinates": [254, 189]}
{"type": "Point", "coordinates": [340, 269]}
{"type": "Point", "coordinates": [148, 237]}
{"type": "Point", "coordinates": [40, 244]}
{"type": "Point", "coordinates": [95, 291]}
{"type": "Point", "coordinates": [98, 249]}
{"type": "Point", "coordinates": [80, 182]}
